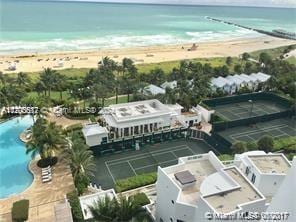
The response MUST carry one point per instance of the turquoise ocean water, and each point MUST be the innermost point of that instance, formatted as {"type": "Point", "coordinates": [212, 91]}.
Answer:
{"type": "Point", "coordinates": [41, 26]}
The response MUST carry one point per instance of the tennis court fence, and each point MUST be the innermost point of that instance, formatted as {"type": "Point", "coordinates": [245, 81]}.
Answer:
{"type": "Point", "coordinates": [218, 143]}
{"type": "Point", "coordinates": [268, 96]}
{"type": "Point", "coordinates": [219, 126]}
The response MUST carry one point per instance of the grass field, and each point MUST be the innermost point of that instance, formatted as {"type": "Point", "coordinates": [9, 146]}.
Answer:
{"type": "Point", "coordinates": [130, 163]}
{"type": "Point", "coordinates": [274, 53]}
{"type": "Point", "coordinates": [168, 66]}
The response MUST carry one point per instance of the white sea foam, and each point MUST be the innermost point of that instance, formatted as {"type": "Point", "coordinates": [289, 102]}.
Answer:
{"type": "Point", "coordinates": [107, 42]}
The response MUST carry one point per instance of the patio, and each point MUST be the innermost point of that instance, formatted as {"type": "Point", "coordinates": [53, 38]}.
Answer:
{"type": "Point", "coordinates": [42, 196]}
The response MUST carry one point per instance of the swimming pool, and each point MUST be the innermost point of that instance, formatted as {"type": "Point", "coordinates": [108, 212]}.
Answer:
{"type": "Point", "coordinates": [14, 174]}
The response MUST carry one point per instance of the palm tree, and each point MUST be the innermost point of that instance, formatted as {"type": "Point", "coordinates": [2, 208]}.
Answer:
{"type": "Point", "coordinates": [61, 84]}
{"type": "Point", "coordinates": [5, 98]}
{"type": "Point", "coordinates": [128, 86]}
{"type": "Point", "coordinates": [100, 91]}
{"type": "Point", "coordinates": [47, 138]}
{"type": "Point", "coordinates": [104, 209]}
{"type": "Point", "coordinates": [40, 87]}
{"type": "Point", "coordinates": [169, 96]}
{"type": "Point", "coordinates": [109, 63]}
{"type": "Point", "coordinates": [23, 79]}
{"type": "Point", "coordinates": [48, 77]}
{"type": "Point", "coordinates": [2, 78]}
{"type": "Point", "coordinates": [118, 210]}
{"type": "Point", "coordinates": [80, 158]}
{"type": "Point", "coordinates": [128, 209]}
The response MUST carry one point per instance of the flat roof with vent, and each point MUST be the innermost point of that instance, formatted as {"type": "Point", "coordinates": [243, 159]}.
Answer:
{"type": "Point", "coordinates": [271, 163]}
{"type": "Point", "coordinates": [135, 111]}
{"type": "Point", "coordinates": [204, 177]}
{"type": "Point", "coordinates": [229, 201]}
{"type": "Point", "coordinates": [185, 177]}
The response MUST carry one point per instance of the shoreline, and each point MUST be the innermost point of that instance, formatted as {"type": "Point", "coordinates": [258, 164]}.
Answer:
{"type": "Point", "coordinates": [146, 54]}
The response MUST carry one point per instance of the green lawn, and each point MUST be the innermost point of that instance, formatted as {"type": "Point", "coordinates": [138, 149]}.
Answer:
{"type": "Point", "coordinates": [168, 66]}
{"type": "Point", "coordinates": [110, 101]}
{"type": "Point", "coordinates": [292, 60]}
{"type": "Point", "coordinates": [274, 53]}
{"type": "Point", "coordinates": [54, 95]}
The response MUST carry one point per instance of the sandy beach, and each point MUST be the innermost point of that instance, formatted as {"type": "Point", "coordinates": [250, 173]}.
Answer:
{"type": "Point", "coordinates": [151, 54]}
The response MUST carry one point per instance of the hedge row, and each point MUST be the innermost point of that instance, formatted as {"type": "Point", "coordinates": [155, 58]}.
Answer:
{"type": "Point", "coordinates": [135, 182]}
{"type": "Point", "coordinates": [78, 116]}
{"type": "Point", "coordinates": [20, 210]}
{"type": "Point", "coordinates": [140, 199]}
{"type": "Point", "coordinates": [217, 119]}
{"type": "Point", "coordinates": [74, 127]}
{"type": "Point", "coordinates": [287, 144]}
{"type": "Point", "coordinates": [75, 206]}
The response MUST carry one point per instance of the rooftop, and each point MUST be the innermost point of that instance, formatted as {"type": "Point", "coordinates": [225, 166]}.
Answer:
{"type": "Point", "coordinates": [135, 110]}
{"type": "Point", "coordinates": [153, 90]}
{"type": "Point", "coordinates": [93, 129]}
{"type": "Point", "coordinates": [205, 177]}
{"type": "Point", "coordinates": [172, 84]}
{"type": "Point", "coordinates": [271, 163]}
{"type": "Point", "coordinates": [229, 201]}
{"type": "Point", "coordinates": [200, 168]}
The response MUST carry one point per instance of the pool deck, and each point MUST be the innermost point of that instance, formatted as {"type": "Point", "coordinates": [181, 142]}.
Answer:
{"type": "Point", "coordinates": [43, 197]}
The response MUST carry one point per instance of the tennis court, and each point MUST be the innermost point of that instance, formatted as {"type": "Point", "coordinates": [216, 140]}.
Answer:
{"type": "Point", "coordinates": [246, 109]}
{"type": "Point", "coordinates": [277, 128]}
{"type": "Point", "coordinates": [130, 163]}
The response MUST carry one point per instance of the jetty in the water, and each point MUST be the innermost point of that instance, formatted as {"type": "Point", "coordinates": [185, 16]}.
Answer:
{"type": "Point", "coordinates": [275, 33]}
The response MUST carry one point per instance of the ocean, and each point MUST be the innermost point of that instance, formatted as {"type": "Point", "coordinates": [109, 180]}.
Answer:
{"type": "Point", "coordinates": [45, 26]}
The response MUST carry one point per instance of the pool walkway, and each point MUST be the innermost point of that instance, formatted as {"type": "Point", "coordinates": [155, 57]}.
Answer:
{"type": "Point", "coordinates": [43, 197]}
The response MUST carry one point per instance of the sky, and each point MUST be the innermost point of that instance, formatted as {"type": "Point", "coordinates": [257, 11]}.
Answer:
{"type": "Point", "coordinates": [264, 3]}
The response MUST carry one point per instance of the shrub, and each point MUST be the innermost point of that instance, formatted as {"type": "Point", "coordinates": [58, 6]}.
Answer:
{"type": "Point", "coordinates": [77, 116]}
{"type": "Point", "coordinates": [20, 210]}
{"type": "Point", "coordinates": [265, 143]}
{"type": "Point", "coordinates": [140, 199]}
{"type": "Point", "coordinates": [225, 157]}
{"type": "Point", "coordinates": [216, 119]}
{"type": "Point", "coordinates": [75, 206]}
{"type": "Point", "coordinates": [238, 147]}
{"type": "Point", "coordinates": [81, 183]}
{"type": "Point", "coordinates": [135, 182]}
{"type": "Point", "coordinates": [287, 144]}
{"type": "Point", "coordinates": [251, 146]}
{"type": "Point", "coordinates": [74, 127]}
{"type": "Point", "coordinates": [93, 119]}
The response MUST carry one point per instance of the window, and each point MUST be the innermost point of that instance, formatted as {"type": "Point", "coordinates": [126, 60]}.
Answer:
{"type": "Point", "coordinates": [180, 220]}
{"type": "Point", "coordinates": [253, 178]}
{"type": "Point", "coordinates": [247, 171]}
{"type": "Point", "coordinates": [173, 202]}
{"type": "Point", "coordinates": [160, 220]}
{"type": "Point", "coordinates": [171, 219]}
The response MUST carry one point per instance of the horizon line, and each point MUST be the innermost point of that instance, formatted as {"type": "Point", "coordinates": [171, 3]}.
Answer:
{"type": "Point", "coordinates": [167, 4]}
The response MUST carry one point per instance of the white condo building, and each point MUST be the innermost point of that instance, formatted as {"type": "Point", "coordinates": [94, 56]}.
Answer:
{"type": "Point", "coordinates": [199, 186]}
{"type": "Point", "coordinates": [265, 171]}
{"type": "Point", "coordinates": [285, 199]}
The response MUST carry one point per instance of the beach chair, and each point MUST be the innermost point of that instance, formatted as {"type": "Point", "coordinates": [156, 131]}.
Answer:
{"type": "Point", "coordinates": [45, 180]}
{"type": "Point", "coordinates": [45, 171]}
{"type": "Point", "coordinates": [46, 176]}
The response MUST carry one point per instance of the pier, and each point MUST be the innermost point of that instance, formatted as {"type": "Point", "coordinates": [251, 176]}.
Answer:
{"type": "Point", "coordinates": [283, 35]}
